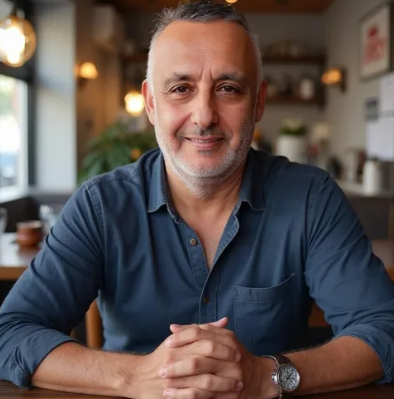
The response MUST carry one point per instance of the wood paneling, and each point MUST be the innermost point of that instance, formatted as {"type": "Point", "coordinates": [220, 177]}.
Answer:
{"type": "Point", "coordinates": [244, 6]}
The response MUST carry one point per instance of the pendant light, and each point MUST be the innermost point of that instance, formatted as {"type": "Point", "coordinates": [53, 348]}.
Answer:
{"type": "Point", "coordinates": [17, 40]}
{"type": "Point", "coordinates": [134, 100]}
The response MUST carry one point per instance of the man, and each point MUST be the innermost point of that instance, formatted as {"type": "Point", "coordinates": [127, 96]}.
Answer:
{"type": "Point", "coordinates": [228, 243]}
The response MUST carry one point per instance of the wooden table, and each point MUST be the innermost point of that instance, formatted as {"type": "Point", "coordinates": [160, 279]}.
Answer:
{"type": "Point", "coordinates": [9, 391]}
{"type": "Point", "coordinates": [14, 261]}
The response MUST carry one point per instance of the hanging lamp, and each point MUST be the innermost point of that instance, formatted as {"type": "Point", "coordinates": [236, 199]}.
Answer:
{"type": "Point", "coordinates": [17, 40]}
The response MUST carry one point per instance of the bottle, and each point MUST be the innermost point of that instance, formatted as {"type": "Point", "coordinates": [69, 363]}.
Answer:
{"type": "Point", "coordinates": [307, 88]}
{"type": "Point", "coordinates": [372, 177]}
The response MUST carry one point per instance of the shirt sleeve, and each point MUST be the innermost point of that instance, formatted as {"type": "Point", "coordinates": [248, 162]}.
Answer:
{"type": "Point", "coordinates": [348, 282]}
{"type": "Point", "coordinates": [54, 293]}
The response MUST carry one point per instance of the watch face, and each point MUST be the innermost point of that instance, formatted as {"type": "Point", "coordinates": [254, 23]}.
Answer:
{"type": "Point", "coordinates": [288, 377]}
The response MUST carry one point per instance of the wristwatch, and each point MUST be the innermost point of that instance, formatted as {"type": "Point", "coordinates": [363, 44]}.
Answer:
{"type": "Point", "coordinates": [285, 376]}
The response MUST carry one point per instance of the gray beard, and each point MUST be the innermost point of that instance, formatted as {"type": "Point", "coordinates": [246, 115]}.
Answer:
{"type": "Point", "coordinates": [203, 184]}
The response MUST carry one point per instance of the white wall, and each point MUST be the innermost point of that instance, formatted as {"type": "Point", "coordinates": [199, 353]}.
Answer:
{"type": "Point", "coordinates": [308, 29]}
{"type": "Point", "coordinates": [55, 101]}
{"type": "Point", "coordinates": [69, 115]}
{"type": "Point", "coordinates": [345, 111]}
{"type": "Point", "coordinates": [99, 101]}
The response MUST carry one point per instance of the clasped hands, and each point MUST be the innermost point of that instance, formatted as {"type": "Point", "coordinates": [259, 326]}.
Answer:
{"type": "Point", "coordinates": [203, 362]}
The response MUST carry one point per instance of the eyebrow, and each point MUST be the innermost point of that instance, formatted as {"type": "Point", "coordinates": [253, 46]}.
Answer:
{"type": "Point", "coordinates": [182, 77]}
{"type": "Point", "coordinates": [175, 78]}
{"type": "Point", "coordinates": [235, 77]}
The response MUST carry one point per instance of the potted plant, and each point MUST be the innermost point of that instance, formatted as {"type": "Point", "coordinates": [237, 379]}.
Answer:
{"type": "Point", "coordinates": [291, 142]}
{"type": "Point", "coordinates": [115, 147]}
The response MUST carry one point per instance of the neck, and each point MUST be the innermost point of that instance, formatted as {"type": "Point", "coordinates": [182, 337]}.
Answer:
{"type": "Point", "coordinates": [205, 196]}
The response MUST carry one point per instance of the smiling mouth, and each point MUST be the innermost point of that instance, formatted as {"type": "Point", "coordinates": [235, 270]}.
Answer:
{"type": "Point", "coordinates": [204, 141]}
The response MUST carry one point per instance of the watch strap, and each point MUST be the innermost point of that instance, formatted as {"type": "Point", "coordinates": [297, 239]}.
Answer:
{"type": "Point", "coordinates": [282, 359]}
{"type": "Point", "coordinates": [279, 360]}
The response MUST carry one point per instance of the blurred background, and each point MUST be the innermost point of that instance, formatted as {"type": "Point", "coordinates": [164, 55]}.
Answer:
{"type": "Point", "coordinates": [71, 107]}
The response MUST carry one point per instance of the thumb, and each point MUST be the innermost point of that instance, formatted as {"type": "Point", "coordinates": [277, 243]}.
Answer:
{"type": "Point", "coordinates": [219, 323]}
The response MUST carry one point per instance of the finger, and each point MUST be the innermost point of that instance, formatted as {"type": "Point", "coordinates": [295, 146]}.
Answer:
{"type": "Point", "coordinates": [214, 328]}
{"type": "Point", "coordinates": [219, 323]}
{"type": "Point", "coordinates": [192, 366]}
{"type": "Point", "coordinates": [214, 349]}
{"type": "Point", "coordinates": [194, 334]}
{"type": "Point", "coordinates": [206, 382]}
{"type": "Point", "coordinates": [189, 393]}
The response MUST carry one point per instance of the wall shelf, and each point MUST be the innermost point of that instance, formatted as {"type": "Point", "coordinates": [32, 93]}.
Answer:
{"type": "Point", "coordinates": [292, 100]}
{"type": "Point", "coordinates": [307, 59]}
{"type": "Point", "coordinates": [268, 59]}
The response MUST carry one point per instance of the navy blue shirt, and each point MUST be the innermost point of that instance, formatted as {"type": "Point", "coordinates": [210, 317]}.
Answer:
{"type": "Point", "coordinates": [292, 238]}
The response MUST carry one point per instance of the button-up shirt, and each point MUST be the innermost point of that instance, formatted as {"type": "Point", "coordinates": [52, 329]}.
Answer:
{"type": "Point", "coordinates": [291, 239]}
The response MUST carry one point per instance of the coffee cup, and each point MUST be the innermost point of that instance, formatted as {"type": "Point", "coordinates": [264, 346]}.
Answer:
{"type": "Point", "coordinates": [29, 233]}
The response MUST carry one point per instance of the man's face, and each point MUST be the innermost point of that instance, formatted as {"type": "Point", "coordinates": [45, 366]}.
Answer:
{"type": "Point", "coordinates": [206, 97]}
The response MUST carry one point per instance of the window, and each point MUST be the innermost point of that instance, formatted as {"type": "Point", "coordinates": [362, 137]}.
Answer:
{"type": "Point", "coordinates": [5, 8]}
{"type": "Point", "coordinates": [14, 92]}
{"type": "Point", "coordinates": [13, 132]}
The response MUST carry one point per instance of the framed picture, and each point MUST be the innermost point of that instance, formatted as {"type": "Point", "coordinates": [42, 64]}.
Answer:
{"type": "Point", "coordinates": [376, 41]}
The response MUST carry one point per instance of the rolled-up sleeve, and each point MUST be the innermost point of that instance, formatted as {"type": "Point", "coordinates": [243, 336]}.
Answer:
{"type": "Point", "coordinates": [54, 293]}
{"type": "Point", "coordinates": [348, 282]}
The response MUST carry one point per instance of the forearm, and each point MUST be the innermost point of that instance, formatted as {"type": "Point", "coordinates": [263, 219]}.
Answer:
{"type": "Point", "coordinates": [74, 368]}
{"type": "Point", "coordinates": [343, 363]}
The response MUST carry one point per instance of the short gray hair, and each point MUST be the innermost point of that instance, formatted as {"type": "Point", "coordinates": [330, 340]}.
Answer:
{"type": "Point", "coordinates": [203, 12]}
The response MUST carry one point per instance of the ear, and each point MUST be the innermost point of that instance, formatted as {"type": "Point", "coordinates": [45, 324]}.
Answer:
{"type": "Point", "coordinates": [260, 103]}
{"type": "Point", "coordinates": [149, 102]}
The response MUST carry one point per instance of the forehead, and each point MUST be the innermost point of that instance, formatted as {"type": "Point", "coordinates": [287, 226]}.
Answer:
{"type": "Point", "coordinates": [218, 46]}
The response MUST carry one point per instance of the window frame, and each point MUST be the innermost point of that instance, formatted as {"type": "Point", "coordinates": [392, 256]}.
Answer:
{"type": "Point", "coordinates": [26, 73]}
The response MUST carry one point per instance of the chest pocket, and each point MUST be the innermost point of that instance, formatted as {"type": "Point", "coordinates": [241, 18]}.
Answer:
{"type": "Point", "coordinates": [264, 317]}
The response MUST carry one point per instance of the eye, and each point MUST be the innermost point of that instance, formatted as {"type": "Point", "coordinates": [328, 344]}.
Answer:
{"type": "Point", "coordinates": [229, 89]}
{"type": "Point", "coordinates": [180, 90]}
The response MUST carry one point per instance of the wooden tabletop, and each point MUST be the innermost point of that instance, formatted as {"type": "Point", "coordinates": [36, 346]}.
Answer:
{"type": "Point", "coordinates": [13, 259]}
{"type": "Point", "coordinates": [9, 391]}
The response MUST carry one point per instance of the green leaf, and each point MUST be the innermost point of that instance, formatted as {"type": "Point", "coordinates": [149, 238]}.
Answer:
{"type": "Point", "coordinates": [113, 149]}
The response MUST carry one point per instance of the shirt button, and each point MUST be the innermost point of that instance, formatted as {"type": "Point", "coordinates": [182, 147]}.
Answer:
{"type": "Point", "coordinates": [206, 299]}
{"type": "Point", "coordinates": [193, 242]}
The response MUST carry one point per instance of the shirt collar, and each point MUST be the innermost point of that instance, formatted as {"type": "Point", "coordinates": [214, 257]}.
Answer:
{"type": "Point", "coordinates": [251, 190]}
{"type": "Point", "coordinates": [159, 192]}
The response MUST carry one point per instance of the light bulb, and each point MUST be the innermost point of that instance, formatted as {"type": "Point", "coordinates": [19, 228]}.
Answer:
{"type": "Point", "coordinates": [231, 1]}
{"type": "Point", "coordinates": [88, 71]}
{"type": "Point", "coordinates": [332, 76]}
{"type": "Point", "coordinates": [134, 103]}
{"type": "Point", "coordinates": [17, 41]}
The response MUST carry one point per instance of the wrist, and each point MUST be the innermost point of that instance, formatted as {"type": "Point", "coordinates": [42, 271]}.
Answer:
{"type": "Point", "coordinates": [127, 376]}
{"type": "Point", "coordinates": [267, 389]}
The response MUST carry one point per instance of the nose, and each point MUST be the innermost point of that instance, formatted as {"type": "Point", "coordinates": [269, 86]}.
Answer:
{"type": "Point", "coordinates": [204, 114]}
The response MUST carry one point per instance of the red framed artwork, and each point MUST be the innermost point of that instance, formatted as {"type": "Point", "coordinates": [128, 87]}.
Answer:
{"type": "Point", "coordinates": [376, 41]}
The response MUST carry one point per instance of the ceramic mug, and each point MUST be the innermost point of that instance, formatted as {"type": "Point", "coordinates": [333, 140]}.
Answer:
{"type": "Point", "coordinates": [29, 233]}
